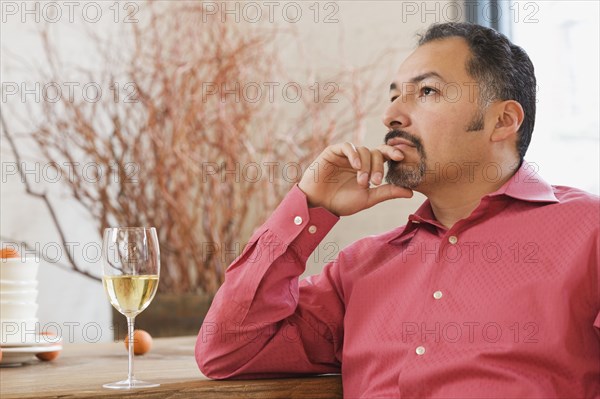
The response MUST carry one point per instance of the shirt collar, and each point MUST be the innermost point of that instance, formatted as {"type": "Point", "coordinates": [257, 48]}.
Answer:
{"type": "Point", "coordinates": [524, 185]}
{"type": "Point", "coordinates": [527, 185]}
{"type": "Point", "coordinates": [423, 215]}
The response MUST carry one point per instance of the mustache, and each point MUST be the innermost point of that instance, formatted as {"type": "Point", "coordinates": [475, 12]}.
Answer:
{"type": "Point", "coordinates": [392, 134]}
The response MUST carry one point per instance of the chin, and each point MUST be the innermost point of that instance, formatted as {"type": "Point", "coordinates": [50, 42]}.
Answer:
{"type": "Point", "coordinates": [407, 175]}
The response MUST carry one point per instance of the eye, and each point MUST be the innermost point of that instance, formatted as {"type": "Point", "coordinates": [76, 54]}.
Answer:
{"type": "Point", "coordinates": [427, 91]}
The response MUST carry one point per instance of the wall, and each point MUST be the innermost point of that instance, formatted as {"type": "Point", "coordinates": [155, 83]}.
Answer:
{"type": "Point", "coordinates": [76, 304]}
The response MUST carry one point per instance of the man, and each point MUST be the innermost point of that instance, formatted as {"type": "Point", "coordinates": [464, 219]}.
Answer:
{"type": "Point", "coordinates": [489, 290]}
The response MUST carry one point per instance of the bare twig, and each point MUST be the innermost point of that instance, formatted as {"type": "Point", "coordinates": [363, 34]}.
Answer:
{"type": "Point", "coordinates": [181, 159]}
{"type": "Point", "coordinates": [44, 198]}
{"type": "Point", "coordinates": [61, 265]}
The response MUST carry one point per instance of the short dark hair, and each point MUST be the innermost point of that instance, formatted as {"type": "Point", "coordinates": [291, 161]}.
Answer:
{"type": "Point", "coordinates": [502, 69]}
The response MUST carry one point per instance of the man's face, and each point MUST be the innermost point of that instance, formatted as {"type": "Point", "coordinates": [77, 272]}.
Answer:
{"type": "Point", "coordinates": [434, 117]}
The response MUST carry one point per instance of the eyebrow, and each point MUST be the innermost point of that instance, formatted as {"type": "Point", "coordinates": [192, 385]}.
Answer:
{"type": "Point", "coordinates": [419, 78]}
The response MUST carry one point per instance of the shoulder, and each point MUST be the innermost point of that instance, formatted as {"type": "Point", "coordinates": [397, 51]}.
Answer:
{"type": "Point", "coordinates": [577, 210]}
{"type": "Point", "coordinates": [571, 196]}
{"type": "Point", "coordinates": [369, 250]}
{"type": "Point", "coordinates": [578, 204]}
{"type": "Point", "coordinates": [375, 240]}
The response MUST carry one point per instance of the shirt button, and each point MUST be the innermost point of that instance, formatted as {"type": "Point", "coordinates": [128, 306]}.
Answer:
{"type": "Point", "coordinates": [297, 220]}
{"type": "Point", "coordinates": [437, 294]}
{"type": "Point", "coordinates": [312, 229]}
{"type": "Point", "coordinates": [420, 350]}
{"type": "Point", "coordinates": [453, 240]}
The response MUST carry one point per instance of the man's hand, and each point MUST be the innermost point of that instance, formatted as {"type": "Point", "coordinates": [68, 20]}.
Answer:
{"type": "Point", "coordinates": [338, 179]}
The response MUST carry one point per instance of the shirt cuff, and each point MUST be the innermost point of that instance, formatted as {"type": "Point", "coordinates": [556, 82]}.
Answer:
{"type": "Point", "coordinates": [299, 226]}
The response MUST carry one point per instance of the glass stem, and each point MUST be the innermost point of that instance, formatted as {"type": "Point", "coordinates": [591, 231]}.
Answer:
{"type": "Point", "coordinates": [130, 324]}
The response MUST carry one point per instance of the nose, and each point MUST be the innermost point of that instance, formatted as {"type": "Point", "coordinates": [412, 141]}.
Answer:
{"type": "Point", "coordinates": [396, 115]}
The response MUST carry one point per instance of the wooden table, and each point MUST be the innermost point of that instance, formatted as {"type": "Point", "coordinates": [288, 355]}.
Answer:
{"type": "Point", "coordinates": [81, 370]}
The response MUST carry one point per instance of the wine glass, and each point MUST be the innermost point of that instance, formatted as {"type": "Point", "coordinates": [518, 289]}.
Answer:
{"type": "Point", "coordinates": [131, 268]}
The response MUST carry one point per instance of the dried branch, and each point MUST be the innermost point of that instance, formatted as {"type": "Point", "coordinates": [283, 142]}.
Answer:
{"type": "Point", "coordinates": [45, 199]}
{"type": "Point", "coordinates": [180, 159]}
{"type": "Point", "coordinates": [28, 247]}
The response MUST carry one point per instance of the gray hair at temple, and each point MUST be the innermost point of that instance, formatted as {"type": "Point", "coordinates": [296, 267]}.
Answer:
{"type": "Point", "coordinates": [502, 70]}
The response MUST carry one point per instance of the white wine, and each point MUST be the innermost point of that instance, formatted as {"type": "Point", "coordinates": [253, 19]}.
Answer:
{"type": "Point", "coordinates": [130, 294]}
{"type": "Point", "coordinates": [130, 274]}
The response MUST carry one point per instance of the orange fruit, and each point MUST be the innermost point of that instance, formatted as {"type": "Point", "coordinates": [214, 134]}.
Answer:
{"type": "Point", "coordinates": [47, 356]}
{"type": "Point", "coordinates": [8, 253]}
{"type": "Point", "coordinates": [142, 342]}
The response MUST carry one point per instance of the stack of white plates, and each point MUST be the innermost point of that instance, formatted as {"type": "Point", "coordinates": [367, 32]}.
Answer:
{"type": "Point", "coordinates": [18, 354]}
{"type": "Point", "coordinates": [19, 328]}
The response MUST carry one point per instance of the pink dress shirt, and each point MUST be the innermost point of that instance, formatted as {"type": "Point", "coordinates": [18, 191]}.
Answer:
{"type": "Point", "coordinates": [505, 304]}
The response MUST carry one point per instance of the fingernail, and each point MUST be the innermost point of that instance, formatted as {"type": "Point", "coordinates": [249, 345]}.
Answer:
{"type": "Point", "coordinates": [356, 163]}
{"type": "Point", "coordinates": [363, 178]}
{"type": "Point", "coordinates": [377, 177]}
{"type": "Point", "coordinates": [398, 153]}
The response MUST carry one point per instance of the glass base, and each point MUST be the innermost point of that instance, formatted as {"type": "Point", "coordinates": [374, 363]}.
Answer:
{"type": "Point", "coordinates": [130, 384]}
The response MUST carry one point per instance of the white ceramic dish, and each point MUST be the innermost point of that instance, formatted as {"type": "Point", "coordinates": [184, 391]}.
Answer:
{"type": "Point", "coordinates": [18, 310]}
{"type": "Point", "coordinates": [18, 331]}
{"type": "Point", "coordinates": [19, 269]}
{"type": "Point", "coordinates": [27, 295]}
{"type": "Point", "coordinates": [11, 285]}
{"type": "Point", "coordinates": [36, 340]}
{"type": "Point", "coordinates": [20, 355]}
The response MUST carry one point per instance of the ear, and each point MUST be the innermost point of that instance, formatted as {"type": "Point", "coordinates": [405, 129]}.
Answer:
{"type": "Point", "coordinates": [508, 121]}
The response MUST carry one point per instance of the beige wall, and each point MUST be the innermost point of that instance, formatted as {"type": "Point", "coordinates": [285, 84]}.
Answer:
{"type": "Point", "coordinates": [364, 29]}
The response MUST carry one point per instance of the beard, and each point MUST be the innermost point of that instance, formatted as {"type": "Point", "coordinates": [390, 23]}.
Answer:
{"type": "Point", "coordinates": [406, 174]}
{"type": "Point", "coordinates": [409, 174]}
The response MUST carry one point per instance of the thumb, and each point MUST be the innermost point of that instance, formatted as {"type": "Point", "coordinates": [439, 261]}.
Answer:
{"type": "Point", "coordinates": [387, 192]}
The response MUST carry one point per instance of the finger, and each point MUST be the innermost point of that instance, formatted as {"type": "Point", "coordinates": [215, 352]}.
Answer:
{"type": "Point", "coordinates": [390, 152]}
{"type": "Point", "coordinates": [387, 192]}
{"type": "Point", "coordinates": [376, 167]}
{"type": "Point", "coordinates": [348, 151]}
{"type": "Point", "coordinates": [365, 166]}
